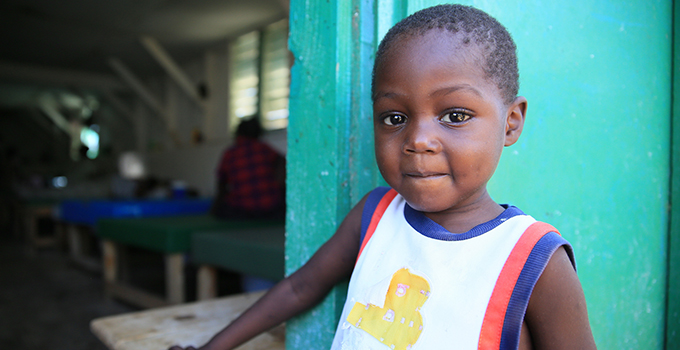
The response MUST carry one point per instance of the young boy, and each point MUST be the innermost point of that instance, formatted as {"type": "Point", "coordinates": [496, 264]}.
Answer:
{"type": "Point", "coordinates": [435, 263]}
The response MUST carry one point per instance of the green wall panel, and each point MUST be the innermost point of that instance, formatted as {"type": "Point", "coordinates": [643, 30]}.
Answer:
{"type": "Point", "coordinates": [673, 313]}
{"type": "Point", "coordinates": [593, 160]}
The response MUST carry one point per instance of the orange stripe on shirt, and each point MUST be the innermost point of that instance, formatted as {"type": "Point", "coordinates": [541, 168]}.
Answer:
{"type": "Point", "coordinates": [492, 326]}
{"type": "Point", "coordinates": [377, 215]}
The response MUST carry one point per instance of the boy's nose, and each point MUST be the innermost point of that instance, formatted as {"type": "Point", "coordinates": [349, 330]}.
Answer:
{"type": "Point", "coordinates": [422, 138]}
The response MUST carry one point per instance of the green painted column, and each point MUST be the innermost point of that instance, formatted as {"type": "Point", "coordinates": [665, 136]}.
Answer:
{"type": "Point", "coordinates": [330, 141]}
{"type": "Point", "coordinates": [317, 159]}
{"type": "Point", "coordinates": [673, 313]}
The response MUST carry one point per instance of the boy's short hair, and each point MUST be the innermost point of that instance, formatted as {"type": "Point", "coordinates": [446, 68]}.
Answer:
{"type": "Point", "coordinates": [491, 38]}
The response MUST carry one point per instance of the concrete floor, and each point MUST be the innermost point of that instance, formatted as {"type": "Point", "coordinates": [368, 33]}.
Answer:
{"type": "Point", "coordinates": [46, 302]}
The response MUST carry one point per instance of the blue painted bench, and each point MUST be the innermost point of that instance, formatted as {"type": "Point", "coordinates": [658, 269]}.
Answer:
{"type": "Point", "coordinates": [80, 217]}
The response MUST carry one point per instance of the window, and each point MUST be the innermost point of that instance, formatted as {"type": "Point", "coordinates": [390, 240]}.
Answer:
{"type": "Point", "coordinates": [245, 52]}
{"type": "Point", "coordinates": [260, 76]}
{"type": "Point", "coordinates": [275, 82]}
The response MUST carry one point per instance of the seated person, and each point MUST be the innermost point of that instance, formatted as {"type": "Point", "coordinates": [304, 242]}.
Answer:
{"type": "Point", "coordinates": [250, 177]}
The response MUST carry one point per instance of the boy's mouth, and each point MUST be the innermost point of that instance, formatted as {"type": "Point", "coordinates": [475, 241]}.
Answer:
{"type": "Point", "coordinates": [424, 174]}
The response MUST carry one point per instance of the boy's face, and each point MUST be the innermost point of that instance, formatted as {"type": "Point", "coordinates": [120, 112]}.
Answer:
{"type": "Point", "coordinates": [440, 126]}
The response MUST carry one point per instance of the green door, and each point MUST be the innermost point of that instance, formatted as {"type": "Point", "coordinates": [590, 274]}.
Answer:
{"type": "Point", "coordinates": [594, 159]}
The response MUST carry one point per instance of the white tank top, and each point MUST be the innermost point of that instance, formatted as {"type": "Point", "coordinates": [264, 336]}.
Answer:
{"type": "Point", "coordinates": [417, 286]}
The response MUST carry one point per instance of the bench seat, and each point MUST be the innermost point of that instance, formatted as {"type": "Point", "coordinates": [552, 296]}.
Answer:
{"type": "Point", "coordinates": [257, 252]}
{"type": "Point", "coordinates": [80, 217]}
{"type": "Point", "coordinates": [170, 236]}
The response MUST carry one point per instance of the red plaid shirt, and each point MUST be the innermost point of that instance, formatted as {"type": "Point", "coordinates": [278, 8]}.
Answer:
{"type": "Point", "coordinates": [249, 170]}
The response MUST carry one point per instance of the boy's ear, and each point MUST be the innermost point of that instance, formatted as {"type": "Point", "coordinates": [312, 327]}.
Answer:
{"type": "Point", "coordinates": [515, 120]}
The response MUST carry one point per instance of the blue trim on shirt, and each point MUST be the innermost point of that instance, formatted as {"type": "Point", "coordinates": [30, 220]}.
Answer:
{"type": "Point", "coordinates": [429, 228]}
{"type": "Point", "coordinates": [370, 205]}
{"type": "Point", "coordinates": [531, 272]}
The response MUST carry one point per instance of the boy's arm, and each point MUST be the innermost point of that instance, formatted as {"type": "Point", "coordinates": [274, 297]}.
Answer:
{"type": "Point", "coordinates": [556, 316]}
{"type": "Point", "coordinates": [300, 291]}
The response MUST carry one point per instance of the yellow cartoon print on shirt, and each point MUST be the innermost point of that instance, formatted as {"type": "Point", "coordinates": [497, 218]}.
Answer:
{"type": "Point", "coordinates": [398, 324]}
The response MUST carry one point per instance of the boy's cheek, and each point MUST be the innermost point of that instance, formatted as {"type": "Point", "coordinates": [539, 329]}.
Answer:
{"type": "Point", "coordinates": [385, 170]}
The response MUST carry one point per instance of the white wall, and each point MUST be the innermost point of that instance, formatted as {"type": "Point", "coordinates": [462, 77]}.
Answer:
{"type": "Point", "coordinates": [194, 165]}
{"type": "Point", "coordinates": [197, 165]}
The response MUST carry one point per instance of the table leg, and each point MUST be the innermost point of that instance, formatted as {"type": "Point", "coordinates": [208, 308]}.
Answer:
{"type": "Point", "coordinates": [174, 278]}
{"type": "Point", "coordinates": [207, 282]}
{"type": "Point", "coordinates": [110, 261]}
{"type": "Point", "coordinates": [31, 224]}
{"type": "Point", "coordinates": [32, 216]}
{"type": "Point", "coordinates": [75, 244]}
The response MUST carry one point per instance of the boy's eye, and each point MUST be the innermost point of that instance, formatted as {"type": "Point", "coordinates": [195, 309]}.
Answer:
{"type": "Point", "coordinates": [394, 119]}
{"type": "Point", "coordinates": [455, 117]}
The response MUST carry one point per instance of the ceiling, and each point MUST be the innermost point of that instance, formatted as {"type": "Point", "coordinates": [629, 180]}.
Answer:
{"type": "Point", "coordinates": [83, 35]}
{"type": "Point", "coordinates": [71, 43]}
{"type": "Point", "coordinates": [54, 51]}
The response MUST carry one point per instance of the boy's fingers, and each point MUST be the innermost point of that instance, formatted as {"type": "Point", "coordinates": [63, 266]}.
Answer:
{"type": "Point", "coordinates": [181, 348]}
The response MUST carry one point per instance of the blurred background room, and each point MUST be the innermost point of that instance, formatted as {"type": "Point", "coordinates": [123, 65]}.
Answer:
{"type": "Point", "coordinates": [116, 116]}
{"type": "Point", "coordinates": [119, 109]}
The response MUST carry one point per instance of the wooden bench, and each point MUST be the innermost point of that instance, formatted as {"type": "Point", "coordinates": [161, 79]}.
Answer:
{"type": "Point", "coordinates": [170, 236]}
{"type": "Point", "coordinates": [184, 325]}
{"type": "Point", "coordinates": [80, 217]}
{"type": "Point", "coordinates": [257, 252]}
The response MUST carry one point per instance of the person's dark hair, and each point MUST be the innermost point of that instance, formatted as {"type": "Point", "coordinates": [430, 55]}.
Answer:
{"type": "Point", "coordinates": [250, 128]}
{"type": "Point", "coordinates": [477, 27]}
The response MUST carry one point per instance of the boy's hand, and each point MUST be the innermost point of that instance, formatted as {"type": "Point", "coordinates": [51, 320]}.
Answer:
{"type": "Point", "coordinates": [181, 348]}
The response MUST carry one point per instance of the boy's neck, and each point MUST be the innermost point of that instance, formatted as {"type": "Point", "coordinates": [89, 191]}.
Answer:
{"type": "Point", "coordinates": [461, 220]}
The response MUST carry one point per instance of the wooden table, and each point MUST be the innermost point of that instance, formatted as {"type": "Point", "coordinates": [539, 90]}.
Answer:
{"type": "Point", "coordinates": [184, 325]}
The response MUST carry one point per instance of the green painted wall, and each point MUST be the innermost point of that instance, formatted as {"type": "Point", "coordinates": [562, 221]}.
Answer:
{"type": "Point", "coordinates": [594, 158]}
{"type": "Point", "coordinates": [673, 323]}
